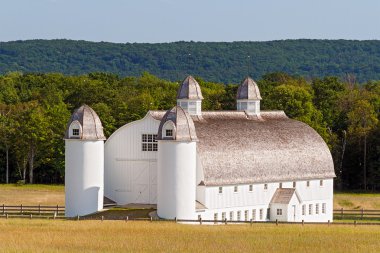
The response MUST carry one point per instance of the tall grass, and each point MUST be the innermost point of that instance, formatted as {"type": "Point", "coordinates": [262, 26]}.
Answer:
{"type": "Point", "coordinates": [17, 235]}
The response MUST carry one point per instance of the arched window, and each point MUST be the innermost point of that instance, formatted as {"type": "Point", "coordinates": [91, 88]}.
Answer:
{"type": "Point", "coordinates": [168, 130]}
{"type": "Point", "coordinates": [75, 130]}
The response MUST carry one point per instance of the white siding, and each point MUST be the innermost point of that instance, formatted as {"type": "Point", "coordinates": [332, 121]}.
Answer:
{"type": "Point", "coordinates": [130, 174]}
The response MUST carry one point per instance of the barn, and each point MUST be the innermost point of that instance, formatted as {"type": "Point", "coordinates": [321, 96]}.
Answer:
{"type": "Point", "coordinates": [235, 165]}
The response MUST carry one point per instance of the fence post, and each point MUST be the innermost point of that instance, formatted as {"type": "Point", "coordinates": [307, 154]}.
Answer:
{"type": "Point", "coordinates": [250, 221]}
{"type": "Point", "coordinates": [30, 216]}
{"type": "Point", "coordinates": [276, 222]}
{"type": "Point", "coordinates": [3, 208]}
{"type": "Point", "coordinates": [200, 220]}
{"type": "Point", "coordinates": [151, 218]}
{"type": "Point", "coordinates": [362, 214]}
{"type": "Point", "coordinates": [303, 222]}
{"type": "Point", "coordinates": [341, 213]}
{"type": "Point", "coordinates": [57, 209]}
{"type": "Point", "coordinates": [355, 223]}
{"type": "Point", "coordinates": [77, 217]}
{"type": "Point", "coordinates": [102, 218]}
{"type": "Point", "coordinates": [6, 216]}
{"type": "Point", "coordinates": [328, 223]}
{"type": "Point", "coordinates": [21, 209]}
{"type": "Point", "coordinates": [126, 219]}
{"type": "Point", "coordinates": [175, 219]}
{"type": "Point", "coordinates": [39, 209]}
{"type": "Point", "coordinates": [225, 221]}
{"type": "Point", "coordinates": [55, 215]}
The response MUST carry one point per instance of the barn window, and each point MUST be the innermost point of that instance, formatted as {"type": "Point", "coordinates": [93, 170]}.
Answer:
{"type": "Point", "coordinates": [246, 215]}
{"type": "Point", "coordinates": [253, 214]}
{"type": "Point", "coordinates": [250, 187]}
{"type": "Point", "coordinates": [303, 209]}
{"type": "Point", "coordinates": [268, 213]}
{"type": "Point", "coordinates": [265, 186]}
{"type": "Point", "coordinates": [323, 207]}
{"type": "Point", "coordinates": [261, 213]}
{"type": "Point", "coordinates": [280, 185]}
{"type": "Point", "coordinates": [199, 217]}
{"type": "Point", "coordinates": [215, 216]}
{"type": "Point", "coordinates": [231, 215]}
{"type": "Point", "coordinates": [320, 183]}
{"type": "Point", "coordinates": [235, 188]}
{"type": "Point", "coordinates": [238, 215]}
{"type": "Point", "coordinates": [76, 132]}
{"type": "Point", "coordinates": [316, 208]}
{"type": "Point", "coordinates": [307, 183]}
{"type": "Point", "coordinates": [294, 184]}
{"type": "Point", "coordinates": [169, 132]}
{"type": "Point", "coordinates": [149, 142]}
{"type": "Point", "coordinates": [279, 211]}
{"type": "Point", "coordinates": [310, 209]}
{"type": "Point", "coordinates": [220, 189]}
{"type": "Point", "coordinates": [223, 216]}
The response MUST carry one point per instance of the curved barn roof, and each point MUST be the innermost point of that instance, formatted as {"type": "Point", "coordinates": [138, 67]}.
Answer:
{"type": "Point", "coordinates": [91, 125]}
{"type": "Point", "coordinates": [184, 125]}
{"type": "Point", "coordinates": [234, 148]}
{"type": "Point", "coordinates": [189, 89]}
{"type": "Point", "coordinates": [248, 89]}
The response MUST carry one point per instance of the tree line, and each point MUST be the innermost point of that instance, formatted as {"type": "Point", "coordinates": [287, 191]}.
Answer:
{"type": "Point", "coordinates": [224, 62]}
{"type": "Point", "coordinates": [35, 108]}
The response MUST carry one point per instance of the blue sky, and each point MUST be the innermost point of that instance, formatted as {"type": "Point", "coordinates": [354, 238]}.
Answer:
{"type": "Point", "coordinates": [197, 20]}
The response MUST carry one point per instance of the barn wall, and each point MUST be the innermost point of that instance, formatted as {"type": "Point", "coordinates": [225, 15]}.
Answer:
{"type": "Point", "coordinates": [130, 174]}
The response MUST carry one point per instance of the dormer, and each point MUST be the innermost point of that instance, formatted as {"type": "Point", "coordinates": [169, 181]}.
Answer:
{"type": "Point", "coordinates": [189, 96]}
{"type": "Point", "coordinates": [168, 130]}
{"type": "Point", "coordinates": [248, 97]}
{"type": "Point", "coordinates": [75, 130]}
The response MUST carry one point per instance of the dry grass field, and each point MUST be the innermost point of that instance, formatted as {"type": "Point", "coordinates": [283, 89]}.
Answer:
{"type": "Point", "coordinates": [32, 194]}
{"type": "Point", "coordinates": [23, 235]}
{"type": "Point", "coordinates": [368, 201]}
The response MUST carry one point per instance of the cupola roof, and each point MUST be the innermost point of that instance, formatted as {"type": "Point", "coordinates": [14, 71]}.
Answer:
{"type": "Point", "coordinates": [184, 125]}
{"type": "Point", "coordinates": [189, 89]}
{"type": "Point", "coordinates": [91, 126]}
{"type": "Point", "coordinates": [248, 89]}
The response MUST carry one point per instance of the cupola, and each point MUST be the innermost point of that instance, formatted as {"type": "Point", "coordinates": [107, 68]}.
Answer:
{"type": "Point", "coordinates": [248, 97]}
{"type": "Point", "coordinates": [177, 125]}
{"type": "Point", "coordinates": [189, 96]}
{"type": "Point", "coordinates": [84, 124]}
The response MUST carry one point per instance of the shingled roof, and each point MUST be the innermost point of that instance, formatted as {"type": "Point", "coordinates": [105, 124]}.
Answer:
{"type": "Point", "coordinates": [248, 89]}
{"type": "Point", "coordinates": [92, 128]}
{"type": "Point", "coordinates": [189, 89]}
{"type": "Point", "coordinates": [184, 125]}
{"type": "Point", "coordinates": [283, 196]}
{"type": "Point", "coordinates": [234, 148]}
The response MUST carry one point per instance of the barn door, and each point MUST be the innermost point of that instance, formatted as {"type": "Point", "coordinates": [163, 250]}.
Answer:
{"type": "Point", "coordinates": [141, 182]}
{"type": "Point", "coordinates": [153, 182]}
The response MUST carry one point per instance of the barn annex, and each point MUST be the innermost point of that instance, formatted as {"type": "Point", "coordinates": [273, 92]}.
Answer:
{"type": "Point", "coordinates": [235, 165]}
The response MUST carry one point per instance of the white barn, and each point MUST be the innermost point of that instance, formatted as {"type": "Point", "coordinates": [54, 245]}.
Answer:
{"type": "Point", "coordinates": [235, 165]}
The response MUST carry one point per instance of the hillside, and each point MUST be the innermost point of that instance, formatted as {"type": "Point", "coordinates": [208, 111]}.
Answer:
{"type": "Point", "coordinates": [214, 61]}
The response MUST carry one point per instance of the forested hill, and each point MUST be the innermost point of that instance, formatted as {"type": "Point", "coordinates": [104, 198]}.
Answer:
{"type": "Point", "coordinates": [226, 62]}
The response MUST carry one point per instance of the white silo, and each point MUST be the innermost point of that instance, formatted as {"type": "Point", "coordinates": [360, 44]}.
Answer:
{"type": "Point", "coordinates": [176, 180]}
{"type": "Point", "coordinates": [84, 163]}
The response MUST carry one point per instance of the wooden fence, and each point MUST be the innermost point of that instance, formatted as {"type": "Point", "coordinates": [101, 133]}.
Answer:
{"type": "Point", "coordinates": [32, 210]}
{"type": "Point", "coordinates": [356, 214]}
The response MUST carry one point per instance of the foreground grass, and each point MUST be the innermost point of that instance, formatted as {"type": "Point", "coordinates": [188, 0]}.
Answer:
{"type": "Point", "coordinates": [17, 235]}
{"type": "Point", "coordinates": [32, 194]}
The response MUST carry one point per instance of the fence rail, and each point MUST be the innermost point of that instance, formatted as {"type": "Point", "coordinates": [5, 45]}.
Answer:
{"type": "Point", "coordinates": [34, 210]}
{"type": "Point", "coordinates": [356, 214]}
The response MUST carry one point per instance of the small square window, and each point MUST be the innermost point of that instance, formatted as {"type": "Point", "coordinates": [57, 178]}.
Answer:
{"type": "Point", "coordinates": [303, 209]}
{"type": "Point", "coordinates": [223, 216]}
{"type": "Point", "coordinates": [215, 216]}
{"type": "Point", "coordinates": [307, 183]}
{"type": "Point", "coordinates": [155, 147]}
{"type": "Point", "coordinates": [294, 184]}
{"type": "Point", "coordinates": [144, 138]}
{"type": "Point", "coordinates": [261, 214]}
{"type": "Point", "coordinates": [310, 209]}
{"type": "Point", "coordinates": [265, 186]}
{"type": "Point", "coordinates": [76, 132]}
{"type": "Point", "coordinates": [320, 183]}
{"type": "Point", "coordinates": [316, 208]}
{"type": "Point", "coordinates": [235, 188]}
{"type": "Point", "coordinates": [169, 132]}
{"type": "Point", "coordinates": [250, 187]}
{"type": "Point", "coordinates": [279, 211]}
{"type": "Point", "coordinates": [280, 185]}
{"type": "Point", "coordinates": [238, 215]}
{"type": "Point", "coordinates": [144, 147]}
{"type": "Point", "coordinates": [231, 215]}
{"type": "Point", "coordinates": [199, 217]}
{"type": "Point", "coordinates": [253, 214]}
{"type": "Point", "coordinates": [323, 207]}
{"type": "Point", "coordinates": [246, 215]}
{"type": "Point", "coordinates": [220, 189]}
